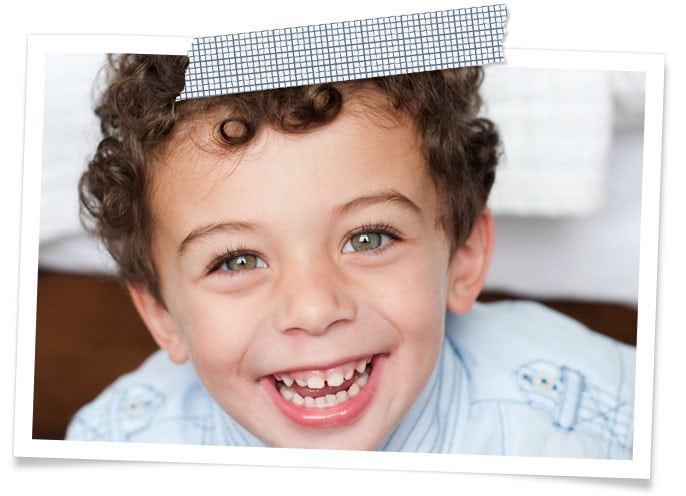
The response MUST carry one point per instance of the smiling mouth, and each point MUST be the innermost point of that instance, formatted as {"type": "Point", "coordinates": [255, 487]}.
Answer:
{"type": "Point", "coordinates": [326, 397]}
{"type": "Point", "coordinates": [324, 389]}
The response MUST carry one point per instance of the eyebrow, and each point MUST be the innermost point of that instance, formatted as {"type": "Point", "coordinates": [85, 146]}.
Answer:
{"type": "Point", "coordinates": [383, 197]}
{"type": "Point", "coordinates": [208, 229]}
{"type": "Point", "coordinates": [390, 196]}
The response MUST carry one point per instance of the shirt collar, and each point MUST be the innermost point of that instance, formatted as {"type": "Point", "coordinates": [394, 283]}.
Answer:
{"type": "Point", "coordinates": [435, 422]}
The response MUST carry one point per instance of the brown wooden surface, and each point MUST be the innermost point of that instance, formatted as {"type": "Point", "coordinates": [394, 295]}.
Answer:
{"type": "Point", "coordinates": [616, 321]}
{"type": "Point", "coordinates": [88, 334]}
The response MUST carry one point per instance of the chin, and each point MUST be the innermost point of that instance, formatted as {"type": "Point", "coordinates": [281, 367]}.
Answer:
{"type": "Point", "coordinates": [340, 408]}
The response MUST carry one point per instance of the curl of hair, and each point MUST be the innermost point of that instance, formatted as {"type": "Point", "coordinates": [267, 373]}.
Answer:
{"type": "Point", "coordinates": [138, 113]}
{"type": "Point", "coordinates": [237, 131]}
{"type": "Point", "coordinates": [302, 108]}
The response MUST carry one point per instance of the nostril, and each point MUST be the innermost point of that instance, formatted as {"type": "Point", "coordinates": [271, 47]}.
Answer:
{"type": "Point", "coordinates": [314, 329]}
{"type": "Point", "coordinates": [317, 315]}
{"type": "Point", "coordinates": [313, 299]}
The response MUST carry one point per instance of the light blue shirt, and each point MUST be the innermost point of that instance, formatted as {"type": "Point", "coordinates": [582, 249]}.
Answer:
{"type": "Point", "coordinates": [512, 378]}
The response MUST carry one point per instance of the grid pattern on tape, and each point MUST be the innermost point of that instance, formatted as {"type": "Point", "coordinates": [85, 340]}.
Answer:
{"type": "Point", "coordinates": [343, 51]}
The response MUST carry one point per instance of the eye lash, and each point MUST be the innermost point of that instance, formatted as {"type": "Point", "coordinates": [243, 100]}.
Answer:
{"type": "Point", "coordinates": [381, 228]}
{"type": "Point", "coordinates": [222, 258]}
{"type": "Point", "coordinates": [218, 260]}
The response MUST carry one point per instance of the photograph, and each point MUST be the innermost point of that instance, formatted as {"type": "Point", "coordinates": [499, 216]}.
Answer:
{"type": "Point", "coordinates": [440, 262]}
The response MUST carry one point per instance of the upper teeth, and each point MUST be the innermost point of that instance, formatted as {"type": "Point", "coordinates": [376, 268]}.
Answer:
{"type": "Point", "coordinates": [328, 400]}
{"type": "Point", "coordinates": [315, 382]}
{"type": "Point", "coordinates": [335, 379]}
{"type": "Point", "coordinates": [317, 379]}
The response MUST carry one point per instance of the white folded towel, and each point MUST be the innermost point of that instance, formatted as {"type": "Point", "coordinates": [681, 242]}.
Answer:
{"type": "Point", "coordinates": [556, 128]}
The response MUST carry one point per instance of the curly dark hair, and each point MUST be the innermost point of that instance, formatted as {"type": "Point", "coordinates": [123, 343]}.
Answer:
{"type": "Point", "coordinates": [138, 113]}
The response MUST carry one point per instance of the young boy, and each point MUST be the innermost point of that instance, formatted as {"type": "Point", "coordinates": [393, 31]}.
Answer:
{"type": "Point", "coordinates": [308, 261]}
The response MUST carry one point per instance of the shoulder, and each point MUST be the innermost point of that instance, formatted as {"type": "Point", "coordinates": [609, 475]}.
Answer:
{"type": "Point", "coordinates": [158, 402]}
{"type": "Point", "coordinates": [545, 376]}
{"type": "Point", "coordinates": [513, 329]}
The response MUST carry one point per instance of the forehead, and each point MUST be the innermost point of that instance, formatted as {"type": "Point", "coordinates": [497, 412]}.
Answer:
{"type": "Point", "coordinates": [366, 148]}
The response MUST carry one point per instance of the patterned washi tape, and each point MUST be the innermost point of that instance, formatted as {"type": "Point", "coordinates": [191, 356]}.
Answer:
{"type": "Point", "coordinates": [341, 51]}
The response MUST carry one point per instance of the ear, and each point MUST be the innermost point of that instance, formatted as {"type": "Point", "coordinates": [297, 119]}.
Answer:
{"type": "Point", "coordinates": [469, 265]}
{"type": "Point", "coordinates": [160, 323]}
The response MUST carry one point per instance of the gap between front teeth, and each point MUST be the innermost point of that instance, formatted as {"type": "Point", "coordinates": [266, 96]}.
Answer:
{"type": "Point", "coordinates": [325, 401]}
{"type": "Point", "coordinates": [318, 379]}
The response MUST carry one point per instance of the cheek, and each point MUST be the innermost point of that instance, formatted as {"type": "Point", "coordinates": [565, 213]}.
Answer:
{"type": "Point", "coordinates": [414, 299]}
{"type": "Point", "coordinates": [216, 334]}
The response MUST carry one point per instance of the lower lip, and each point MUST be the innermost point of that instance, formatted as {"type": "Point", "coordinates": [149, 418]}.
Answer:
{"type": "Point", "coordinates": [328, 417]}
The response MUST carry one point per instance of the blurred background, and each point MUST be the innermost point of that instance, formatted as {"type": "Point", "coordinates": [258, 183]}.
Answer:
{"type": "Point", "coordinates": [566, 204]}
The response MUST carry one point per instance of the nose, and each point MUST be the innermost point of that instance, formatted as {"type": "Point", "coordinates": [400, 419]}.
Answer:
{"type": "Point", "coordinates": [312, 298]}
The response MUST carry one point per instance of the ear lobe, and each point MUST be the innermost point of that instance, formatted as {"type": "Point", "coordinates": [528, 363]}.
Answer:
{"type": "Point", "coordinates": [469, 265]}
{"type": "Point", "coordinates": [160, 324]}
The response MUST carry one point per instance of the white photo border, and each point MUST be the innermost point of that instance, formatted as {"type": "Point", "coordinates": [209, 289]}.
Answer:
{"type": "Point", "coordinates": [639, 467]}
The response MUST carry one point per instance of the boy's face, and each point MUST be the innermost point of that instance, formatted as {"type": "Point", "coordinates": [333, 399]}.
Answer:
{"type": "Point", "coordinates": [312, 258]}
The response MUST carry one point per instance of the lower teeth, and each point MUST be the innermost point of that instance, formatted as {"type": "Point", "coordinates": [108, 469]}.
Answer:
{"type": "Point", "coordinates": [325, 401]}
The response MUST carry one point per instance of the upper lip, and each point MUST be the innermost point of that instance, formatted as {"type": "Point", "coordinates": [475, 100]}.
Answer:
{"type": "Point", "coordinates": [323, 368]}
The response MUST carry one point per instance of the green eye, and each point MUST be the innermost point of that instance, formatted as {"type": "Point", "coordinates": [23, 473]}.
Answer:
{"type": "Point", "coordinates": [369, 239]}
{"type": "Point", "coordinates": [235, 262]}
{"type": "Point", "coordinates": [244, 262]}
{"type": "Point", "coordinates": [366, 241]}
